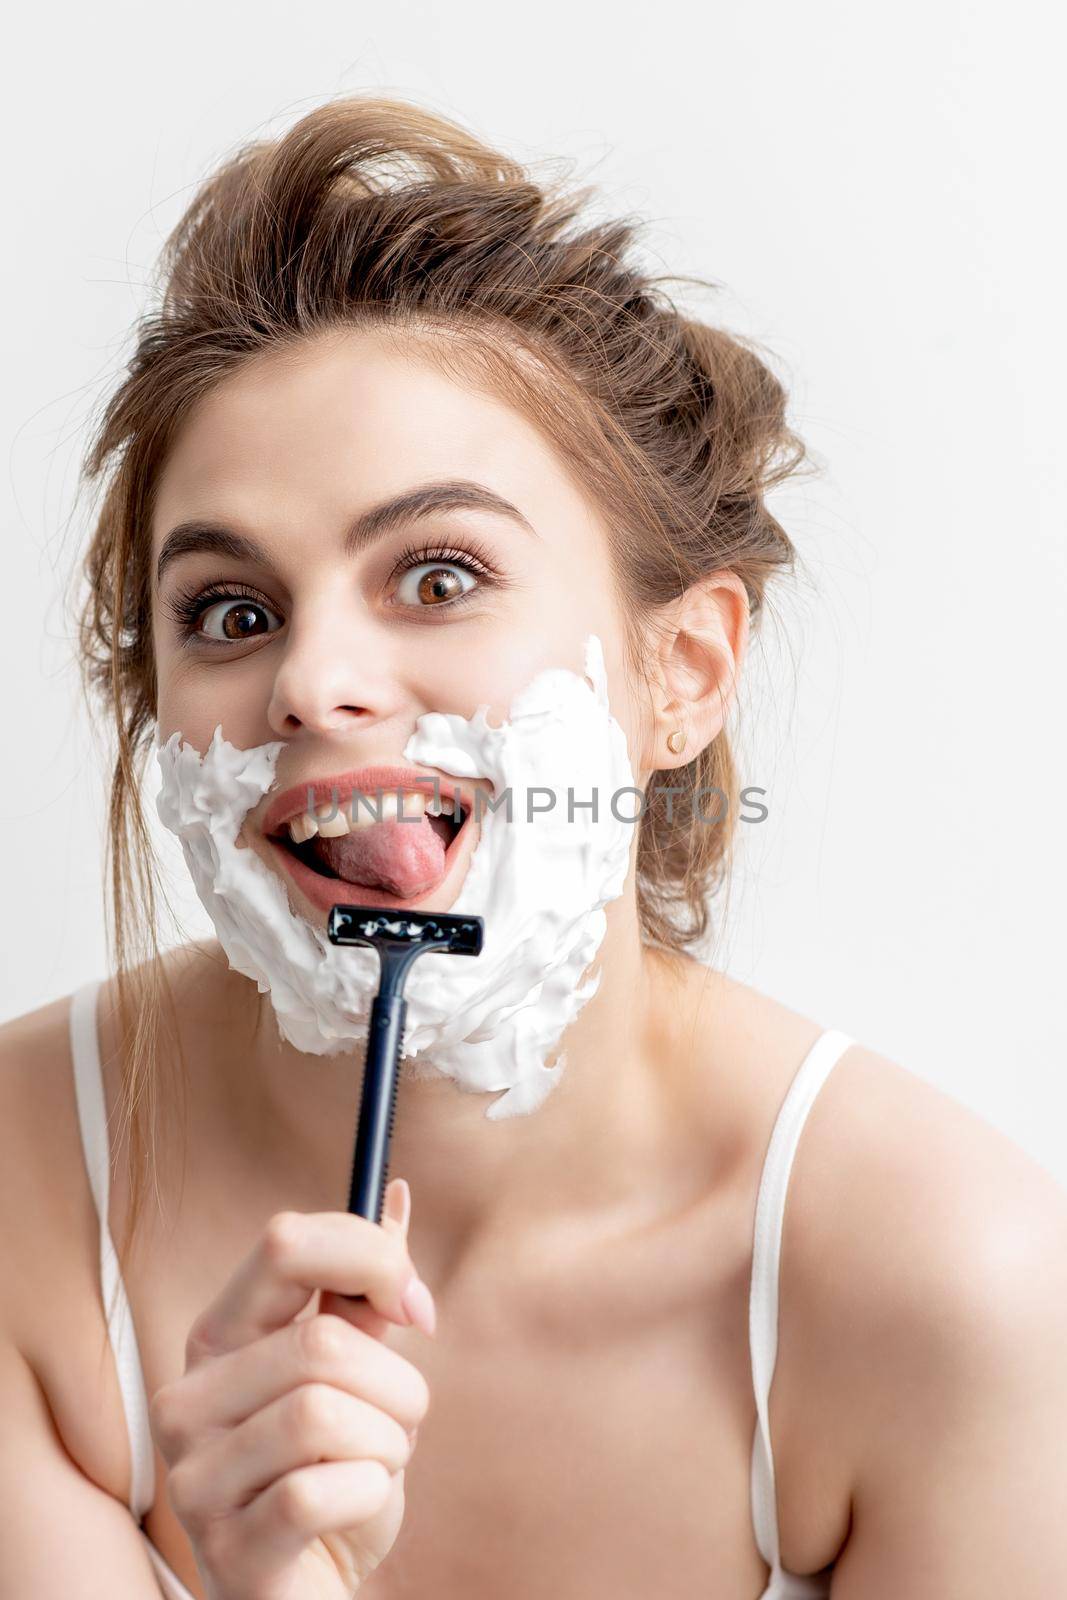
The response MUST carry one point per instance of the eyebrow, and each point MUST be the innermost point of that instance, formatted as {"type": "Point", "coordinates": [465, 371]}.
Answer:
{"type": "Point", "coordinates": [199, 535]}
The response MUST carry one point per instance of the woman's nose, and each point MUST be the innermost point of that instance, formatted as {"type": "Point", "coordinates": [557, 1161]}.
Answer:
{"type": "Point", "coordinates": [326, 685]}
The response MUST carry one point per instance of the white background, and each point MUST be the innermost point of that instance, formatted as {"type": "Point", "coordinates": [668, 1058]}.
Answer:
{"type": "Point", "coordinates": [877, 191]}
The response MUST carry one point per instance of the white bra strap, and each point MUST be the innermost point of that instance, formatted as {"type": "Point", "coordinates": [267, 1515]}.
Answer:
{"type": "Point", "coordinates": [766, 1260]}
{"type": "Point", "coordinates": [92, 1118]}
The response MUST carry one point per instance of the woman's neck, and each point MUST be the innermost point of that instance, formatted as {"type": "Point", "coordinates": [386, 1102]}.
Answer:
{"type": "Point", "coordinates": [581, 1155]}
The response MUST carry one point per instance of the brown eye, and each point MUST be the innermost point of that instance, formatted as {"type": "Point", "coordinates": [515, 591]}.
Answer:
{"type": "Point", "coordinates": [436, 586]}
{"type": "Point", "coordinates": [440, 584]}
{"type": "Point", "coordinates": [235, 620]}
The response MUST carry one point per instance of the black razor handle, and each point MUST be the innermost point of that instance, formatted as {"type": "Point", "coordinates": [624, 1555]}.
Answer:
{"type": "Point", "coordinates": [377, 1109]}
{"type": "Point", "coordinates": [399, 937]}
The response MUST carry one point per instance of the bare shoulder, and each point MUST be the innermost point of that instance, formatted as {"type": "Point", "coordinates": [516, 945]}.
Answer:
{"type": "Point", "coordinates": [49, 1262]}
{"type": "Point", "coordinates": [924, 1298]}
{"type": "Point", "coordinates": [35, 1037]}
{"type": "Point", "coordinates": [41, 1169]}
{"type": "Point", "coordinates": [919, 1396]}
{"type": "Point", "coordinates": [64, 1459]}
{"type": "Point", "coordinates": [37, 1178]}
{"type": "Point", "coordinates": [923, 1208]}
{"type": "Point", "coordinates": [50, 1294]}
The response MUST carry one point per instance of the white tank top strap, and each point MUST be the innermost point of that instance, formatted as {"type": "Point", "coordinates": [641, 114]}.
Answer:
{"type": "Point", "coordinates": [92, 1120]}
{"type": "Point", "coordinates": [763, 1299]}
{"type": "Point", "coordinates": [171, 1586]}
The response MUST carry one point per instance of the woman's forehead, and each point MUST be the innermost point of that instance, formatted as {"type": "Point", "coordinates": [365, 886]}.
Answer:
{"type": "Point", "coordinates": [330, 431]}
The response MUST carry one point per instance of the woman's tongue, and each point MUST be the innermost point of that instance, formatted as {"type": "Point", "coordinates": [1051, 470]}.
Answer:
{"type": "Point", "coordinates": [404, 858]}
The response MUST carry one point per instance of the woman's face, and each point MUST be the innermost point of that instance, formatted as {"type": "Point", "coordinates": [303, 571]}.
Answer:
{"type": "Point", "coordinates": [410, 545]}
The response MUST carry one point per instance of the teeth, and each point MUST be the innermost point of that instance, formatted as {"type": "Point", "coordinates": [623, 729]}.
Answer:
{"type": "Point", "coordinates": [331, 827]}
{"type": "Point", "coordinates": [411, 804]}
{"type": "Point", "coordinates": [351, 816]}
{"type": "Point", "coordinates": [302, 828]}
{"type": "Point", "coordinates": [443, 808]}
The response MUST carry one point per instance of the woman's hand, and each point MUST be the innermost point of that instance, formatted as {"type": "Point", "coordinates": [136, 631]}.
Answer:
{"type": "Point", "coordinates": [287, 1441]}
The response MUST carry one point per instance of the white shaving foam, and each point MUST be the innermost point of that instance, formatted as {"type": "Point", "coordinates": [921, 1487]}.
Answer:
{"type": "Point", "coordinates": [492, 1021]}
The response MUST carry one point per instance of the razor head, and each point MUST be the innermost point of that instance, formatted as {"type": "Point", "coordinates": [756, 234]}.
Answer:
{"type": "Point", "coordinates": [370, 925]}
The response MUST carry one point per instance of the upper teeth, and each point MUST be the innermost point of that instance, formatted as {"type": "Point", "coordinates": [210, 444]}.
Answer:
{"type": "Point", "coordinates": [444, 807]}
{"type": "Point", "coordinates": [332, 821]}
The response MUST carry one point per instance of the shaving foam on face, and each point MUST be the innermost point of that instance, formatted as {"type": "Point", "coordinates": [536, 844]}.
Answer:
{"type": "Point", "coordinates": [540, 880]}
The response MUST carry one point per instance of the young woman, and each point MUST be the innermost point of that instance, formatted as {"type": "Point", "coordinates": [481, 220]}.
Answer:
{"type": "Point", "coordinates": [403, 434]}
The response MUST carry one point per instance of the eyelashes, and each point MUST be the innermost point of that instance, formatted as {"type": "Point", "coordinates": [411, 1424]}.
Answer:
{"type": "Point", "coordinates": [186, 604]}
{"type": "Point", "coordinates": [472, 556]}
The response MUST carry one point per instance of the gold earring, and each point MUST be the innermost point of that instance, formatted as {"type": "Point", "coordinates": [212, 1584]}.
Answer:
{"type": "Point", "coordinates": [676, 741]}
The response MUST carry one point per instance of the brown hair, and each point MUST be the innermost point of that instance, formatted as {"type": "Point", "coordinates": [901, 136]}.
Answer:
{"type": "Point", "coordinates": [376, 212]}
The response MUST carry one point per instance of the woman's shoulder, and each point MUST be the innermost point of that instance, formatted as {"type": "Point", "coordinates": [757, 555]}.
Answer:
{"type": "Point", "coordinates": [884, 1157]}
{"type": "Point", "coordinates": [42, 1175]}
{"type": "Point", "coordinates": [51, 1306]}
{"type": "Point", "coordinates": [42, 1172]}
{"type": "Point", "coordinates": [35, 1045]}
{"type": "Point", "coordinates": [923, 1261]}
{"type": "Point", "coordinates": [32, 1042]}
{"type": "Point", "coordinates": [916, 1196]}
{"type": "Point", "coordinates": [50, 1303]}
{"type": "Point", "coordinates": [37, 1177]}
{"type": "Point", "coordinates": [920, 1245]}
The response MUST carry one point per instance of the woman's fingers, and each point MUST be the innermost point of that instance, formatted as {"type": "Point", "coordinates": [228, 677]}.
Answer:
{"type": "Point", "coordinates": [322, 1349]}
{"type": "Point", "coordinates": [360, 1313]}
{"type": "Point", "coordinates": [295, 1255]}
{"type": "Point", "coordinates": [312, 1503]}
{"type": "Point", "coordinates": [280, 1429]}
{"type": "Point", "coordinates": [312, 1423]}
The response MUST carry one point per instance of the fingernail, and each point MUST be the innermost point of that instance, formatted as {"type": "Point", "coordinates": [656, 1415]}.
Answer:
{"type": "Point", "coordinates": [418, 1303]}
{"type": "Point", "coordinates": [399, 1201]}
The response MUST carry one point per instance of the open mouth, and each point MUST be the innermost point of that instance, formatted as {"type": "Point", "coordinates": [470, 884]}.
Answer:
{"type": "Point", "coordinates": [393, 862]}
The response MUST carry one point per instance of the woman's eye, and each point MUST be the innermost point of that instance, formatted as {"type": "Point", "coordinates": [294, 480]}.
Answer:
{"type": "Point", "coordinates": [433, 584]}
{"type": "Point", "coordinates": [236, 619]}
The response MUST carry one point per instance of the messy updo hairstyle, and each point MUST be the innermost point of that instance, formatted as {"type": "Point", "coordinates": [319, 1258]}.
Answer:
{"type": "Point", "coordinates": [372, 212]}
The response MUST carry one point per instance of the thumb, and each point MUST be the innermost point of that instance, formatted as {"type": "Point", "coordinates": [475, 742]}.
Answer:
{"type": "Point", "coordinates": [396, 1212]}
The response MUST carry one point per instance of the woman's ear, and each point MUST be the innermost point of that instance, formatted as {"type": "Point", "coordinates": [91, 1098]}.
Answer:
{"type": "Point", "coordinates": [698, 645]}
